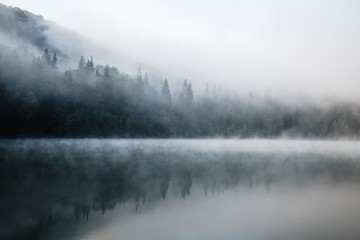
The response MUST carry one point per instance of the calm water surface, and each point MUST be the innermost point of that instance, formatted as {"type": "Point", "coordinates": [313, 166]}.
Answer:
{"type": "Point", "coordinates": [179, 189]}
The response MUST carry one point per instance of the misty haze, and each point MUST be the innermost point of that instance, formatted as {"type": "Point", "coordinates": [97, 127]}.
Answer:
{"type": "Point", "coordinates": [179, 120]}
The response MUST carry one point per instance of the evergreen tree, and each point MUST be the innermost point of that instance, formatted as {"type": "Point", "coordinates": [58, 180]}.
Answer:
{"type": "Point", "coordinates": [189, 94]}
{"type": "Point", "coordinates": [139, 86]}
{"type": "Point", "coordinates": [46, 57]}
{"type": "Point", "coordinates": [106, 72]}
{"type": "Point", "coordinates": [81, 65]}
{"type": "Point", "coordinates": [183, 91]}
{"type": "Point", "coordinates": [54, 60]}
{"type": "Point", "coordinates": [148, 91]}
{"type": "Point", "coordinates": [90, 65]}
{"type": "Point", "coordinates": [165, 94]}
{"type": "Point", "coordinates": [97, 74]}
{"type": "Point", "coordinates": [116, 104]}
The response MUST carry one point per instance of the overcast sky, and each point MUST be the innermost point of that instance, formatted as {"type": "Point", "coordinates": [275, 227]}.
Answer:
{"type": "Point", "coordinates": [286, 46]}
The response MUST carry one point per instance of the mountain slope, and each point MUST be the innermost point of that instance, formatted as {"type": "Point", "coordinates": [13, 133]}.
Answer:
{"type": "Point", "coordinates": [38, 98]}
{"type": "Point", "coordinates": [22, 28]}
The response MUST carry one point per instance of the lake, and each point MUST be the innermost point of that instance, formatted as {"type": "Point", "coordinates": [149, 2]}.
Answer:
{"type": "Point", "coordinates": [256, 189]}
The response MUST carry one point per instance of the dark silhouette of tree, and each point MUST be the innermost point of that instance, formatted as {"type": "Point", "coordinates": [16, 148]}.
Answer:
{"type": "Point", "coordinates": [42, 101]}
{"type": "Point", "coordinates": [90, 65]}
{"type": "Point", "coordinates": [106, 72]}
{"type": "Point", "coordinates": [97, 74]}
{"type": "Point", "coordinates": [189, 94]}
{"type": "Point", "coordinates": [46, 57]}
{"type": "Point", "coordinates": [139, 87]}
{"type": "Point", "coordinates": [186, 96]}
{"type": "Point", "coordinates": [54, 60]}
{"type": "Point", "coordinates": [81, 64]}
{"type": "Point", "coordinates": [165, 94]}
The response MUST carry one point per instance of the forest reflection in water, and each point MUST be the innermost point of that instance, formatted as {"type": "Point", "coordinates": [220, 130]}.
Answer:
{"type": "Point", "coordinates": [235, 189]}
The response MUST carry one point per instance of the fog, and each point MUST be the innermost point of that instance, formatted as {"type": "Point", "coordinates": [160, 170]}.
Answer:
{"type": "Point", "coordinates": [179, 189]}
{"type": "Point", "coordinates": [292, 48]}
{"type": "Point", "coordinates": [190, 98]}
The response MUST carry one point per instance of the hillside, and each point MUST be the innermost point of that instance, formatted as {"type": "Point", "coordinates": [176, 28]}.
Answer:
{"type": "Point", "coordinates": [38, 99]}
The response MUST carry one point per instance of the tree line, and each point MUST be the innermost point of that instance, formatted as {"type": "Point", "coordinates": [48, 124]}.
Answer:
{"type": "Point", "coordinates": [39, 100]}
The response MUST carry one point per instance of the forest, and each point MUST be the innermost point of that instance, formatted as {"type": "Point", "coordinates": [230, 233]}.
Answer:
{"type": "Point", "coordinates": [39, 100]}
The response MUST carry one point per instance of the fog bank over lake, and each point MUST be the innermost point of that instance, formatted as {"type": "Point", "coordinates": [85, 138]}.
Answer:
{"type": "Point", "coordinates": [179, 120]}
{"type": "Point", "coordinates": [179, 189]}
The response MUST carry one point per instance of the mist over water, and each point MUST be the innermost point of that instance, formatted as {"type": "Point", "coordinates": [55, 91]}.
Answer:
{"type": "Point", "coordinates": [179, 189]}
{"type": "Point", "coordinates": [278, 80]}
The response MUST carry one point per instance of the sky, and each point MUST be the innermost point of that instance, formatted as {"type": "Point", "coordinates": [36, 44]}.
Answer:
{"type": "Point", "coordinates": [285, 47]}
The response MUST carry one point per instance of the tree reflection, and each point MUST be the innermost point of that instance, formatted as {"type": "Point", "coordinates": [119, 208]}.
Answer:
{"type": "Point", "coordinates": [38, 183]}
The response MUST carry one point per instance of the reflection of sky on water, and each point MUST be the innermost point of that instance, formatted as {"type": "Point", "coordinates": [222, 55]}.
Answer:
{"type": "Point", "coordinates": [316, 213]}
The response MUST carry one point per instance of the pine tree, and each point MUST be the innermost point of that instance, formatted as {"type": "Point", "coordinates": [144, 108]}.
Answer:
{"type": "Point", "coordinates": [54, 60]}
{"type": "Point", "coordinates": [165, 94]}
{"type": "Point", "coordinates": [189, 94]}
{"type": "Point", "coordinates": [81, 65]}
{"type": "Point", "coordinates": [97, 74]}
{"type": "Point", "coordinates": [140, 89]}
{"type": "Point", "coordinates": [106, 72]}
{"type": "Point", "coordinates": [46, 56]}
{"type": "Point", "coordinates": [184, 91]}
{"type": "Point", "coordinates": [186, 96]}
{"type": "Point", "coordinates": [90, 65]}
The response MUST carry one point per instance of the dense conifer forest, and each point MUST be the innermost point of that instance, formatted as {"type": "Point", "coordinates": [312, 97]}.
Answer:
{"type": "Point", "coordinates": [38, 99]}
